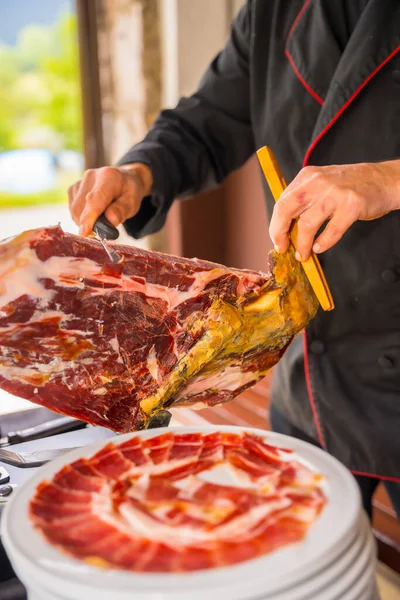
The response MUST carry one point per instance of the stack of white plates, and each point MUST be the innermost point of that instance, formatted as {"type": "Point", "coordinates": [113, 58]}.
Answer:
{"type": "Point", "coordinates": [336, 561]}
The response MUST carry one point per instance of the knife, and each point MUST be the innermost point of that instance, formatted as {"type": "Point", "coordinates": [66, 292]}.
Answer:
{"type": "Point", "coordinates": [104, 231]}
{"type": "Point", "coordinates": [40, 457]}
{"type": "Point", "coordinates": [61, 425]}
{"type": "Point", "coordinates": [31, 459]}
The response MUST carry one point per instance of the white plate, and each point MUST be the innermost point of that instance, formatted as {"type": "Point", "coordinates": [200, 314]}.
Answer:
{"type": "Point", "coordinates": [327, 539]}
{"type": "Point", "coordinates": [346, 578]}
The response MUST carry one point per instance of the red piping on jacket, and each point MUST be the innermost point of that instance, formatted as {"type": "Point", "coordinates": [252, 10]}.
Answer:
{"type": "Point", "coordinates": [291, 59]}
{"type": "Point", "coordinates": [297, 19]}
{"type": "Point", "coordinates": [302, 80]}
{"type": "Point", "coordinates": [349, 101]}
{"type": "Point", "coordinates": [305, 163]}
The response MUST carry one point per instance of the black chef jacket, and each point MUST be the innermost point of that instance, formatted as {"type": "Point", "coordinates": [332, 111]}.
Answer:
{"type": "Point", "coordinates": [318, 82]}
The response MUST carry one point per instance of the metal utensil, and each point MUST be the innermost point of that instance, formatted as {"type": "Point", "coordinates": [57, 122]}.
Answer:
{"type": "Point", "coordinates": [31, 459]}
{"type": "Point", "coordinates": [104, 231]}
{"type": "Point", "coordinates": [6, 493]}
{"type": "Point", "coordinates": [61, 425]}
{"type": "Point", "coordinates": [4, 476]}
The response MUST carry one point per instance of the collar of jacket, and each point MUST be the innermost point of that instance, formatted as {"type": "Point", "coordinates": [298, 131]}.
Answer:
{"type": "Point", "coordinates": [332, 77]}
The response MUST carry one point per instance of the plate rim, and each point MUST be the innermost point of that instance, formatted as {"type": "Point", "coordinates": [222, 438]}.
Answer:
{"type": "Point", "coordinates": [56, 566]}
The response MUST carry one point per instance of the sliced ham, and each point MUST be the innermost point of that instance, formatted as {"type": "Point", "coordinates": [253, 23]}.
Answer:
{"type": "Point", "coordinates": [148, 506]}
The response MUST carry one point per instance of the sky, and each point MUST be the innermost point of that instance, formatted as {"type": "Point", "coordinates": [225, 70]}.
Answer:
{"type": "Point", "coordinates": [15, 14]}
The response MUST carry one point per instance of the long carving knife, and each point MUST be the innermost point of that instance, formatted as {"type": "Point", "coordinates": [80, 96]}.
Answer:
{"type": "Point", "coordinates": [47, 429]}
{"type": "Point", "coordinates": [105, 231]}
{"type": "Point", "coordinates": [312, 266]}
{"type": "Point", "coordinates": [31, 459]}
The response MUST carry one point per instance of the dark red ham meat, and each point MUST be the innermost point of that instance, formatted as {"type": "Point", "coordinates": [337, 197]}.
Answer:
{"type": "Point", "coordinates": [112, 344]}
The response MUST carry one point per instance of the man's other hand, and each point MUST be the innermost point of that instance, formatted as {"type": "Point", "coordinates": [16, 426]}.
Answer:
{"type": "Point", "coordinates": [338, 195]}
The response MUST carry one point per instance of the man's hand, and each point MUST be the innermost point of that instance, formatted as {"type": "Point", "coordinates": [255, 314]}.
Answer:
{"type": "Point", "coordinates": [340, 195]}
{"type": "Point", "coordinates": [117, 191]}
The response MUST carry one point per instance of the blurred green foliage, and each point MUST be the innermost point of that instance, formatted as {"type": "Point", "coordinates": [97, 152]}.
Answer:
{"type": "Point", "coordinates": [56, 196]}
{"type": "Point", "coordinates": [39, 88]}
{"type": "Point", "coordinates": [40, 98]}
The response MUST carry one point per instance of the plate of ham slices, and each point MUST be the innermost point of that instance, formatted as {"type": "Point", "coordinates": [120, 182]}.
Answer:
{"type": "Point", "coordinates": [224, 511]}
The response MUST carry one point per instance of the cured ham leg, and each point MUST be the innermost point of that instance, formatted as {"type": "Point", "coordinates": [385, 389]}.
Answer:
{"type": "Point", "coordinates": [112, 344]}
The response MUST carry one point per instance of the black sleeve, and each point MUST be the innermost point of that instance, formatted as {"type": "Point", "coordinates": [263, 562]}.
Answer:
{"type": "Point", "coordinates": [198, 143]}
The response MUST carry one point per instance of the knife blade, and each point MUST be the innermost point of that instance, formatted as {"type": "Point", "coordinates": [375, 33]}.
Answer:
{"type": "Point", "coordinates": [104, 231]}
{"type": "Point", "coordinates": [61, 425]}
{"type": "Point", "coordinates": [31, 459]}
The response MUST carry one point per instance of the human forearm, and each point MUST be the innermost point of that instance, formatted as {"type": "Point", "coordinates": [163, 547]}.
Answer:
{"type": "Point", "coordinates": [193, 146]}
{"type": "Point", "coordinates": [143, 172]}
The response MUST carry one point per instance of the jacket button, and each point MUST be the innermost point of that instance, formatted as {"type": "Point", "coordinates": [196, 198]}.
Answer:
{"type": "Point", "coordinates": [390, 276]}
{"type": "Point", "coordinates": [317, 347]}
{"type": "Point", "coordinates": [385, 362]}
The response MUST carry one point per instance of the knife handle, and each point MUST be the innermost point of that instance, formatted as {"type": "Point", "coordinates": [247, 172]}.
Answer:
{"type": "Point", "coordinates": [104, 229]}
{"type": "Point", "coordinates": [47, 429]}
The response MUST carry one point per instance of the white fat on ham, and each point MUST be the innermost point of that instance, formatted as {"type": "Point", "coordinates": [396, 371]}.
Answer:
{"type": "Point", "coordinates": [152, 364]}
{"type": "Point", "coordinates": [189, 486]}
{"type": "Point", "coordinates": [144, 526]}
{"type": "Point", "coordinates": [40, 317]}
{"type": "Point", "coordinates": [306, 478]}
{"type": "Point", "coordinates": [99, 391]}
{"type": "Point", "coordinates": [21, 275]}
{"type": "Point", "coordinates": [230, 379]}
{"type": "Point", "coordinates": [48, 370]}
{"type": "Point", "coordinates": [164, 467]}
{"type": "Point", "coordinates": [114, 343]}
{"type": "Point", "coordinates": [304, 514]}
{"type": "Point", "coordinates": [69, 271]}
{"type": "Point", "coordinates": [139, 489]}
